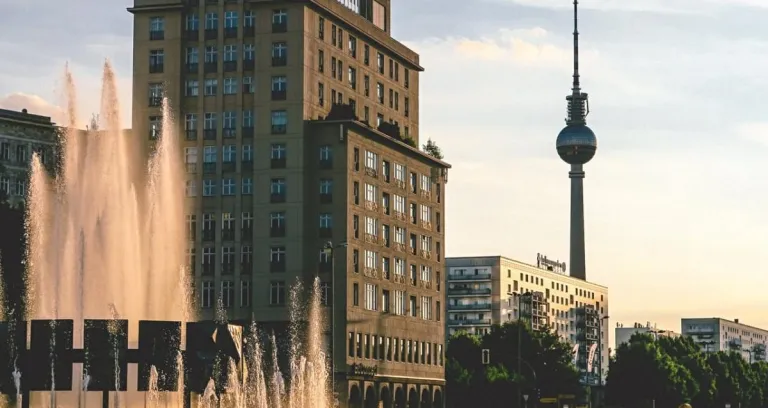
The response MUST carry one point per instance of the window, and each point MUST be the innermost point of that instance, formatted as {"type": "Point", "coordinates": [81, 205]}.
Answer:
{"type": "Point", "coordinates": [334, 36]}
{"type": "Point", "coordinates": [352, 78]}
{"type": "Point", "coordinates": [352, 47]}
{"type": "Point", "coordinates": [370, 296]}
{"type": "Point", "coordinates": [399, 308]}
{"type": "Point", "coordinates": [277, 190]}
{"type": "Point", "coordinates": [190, 158]}
{"type": "Point", "coordinates": [277, 259]}
{"type": "Point", "coordinates": [326, 190]}
{"type": "Point", "coordinates": [400, 173]}
{"type": "Point", "coordinates": [209, 188]}
{"type": "Point", "coordinates": [227, 293]}
{"type": "Point", "coordinates": [193, 23]}
{"type": "Point", "coordinates": [211, 87]}
{"type": "Point", "coordinates": [279, 122]}
{"type": "Point", "coordinates": [426, 213]}
{"type": "Point", "coordinates": [155, 94]}
{"type": "Point", "coordinates": [321, 28]}
{"type": "Point", "coordinates": [370, 193]}
{"type": "Point", "coordinates": [320, 94]}
{"type": "Point", "coordinates": [412, 306]}
{"type": "Point", "coordinates": [399, 204]}
{"type": "Point", "coordinates": [372, 226]}
{"type": "Point", "coordinates": [380, 62]}
{"type": "Point", "coordinates": [277, 293]}
{"type": "Point", "coordinates": [228, 187]}
{"type": "Point", "coordinates": [426, 273]}
{"type": "Point", "coordinates": [371, 260]}
{"type": "Point", "coordinates": [321, 61]}
{"type": "Point", "coordinates": [209, 260]}
{"type": "Point", "coordinates": [192, 87]}
{"type": "Point", "coordinates": [385, 304]}
{"type": "Point", "coordinates": [426, 307]}
{"type": "Point", "coordinates": [156, 61]}
{"type": "Point", "coordinates": [371, 160]}
{"type": "Point", "coordinates": [400, 268]}
{"type": "Point", "coordinates": [277, 224]}
{"type": "Point", "coordinates": [247, 186]}
{"type": "Point", "coordinates": [230, 19]}
{"type": "Point", "coordinates": [230, 53]}
{"type": "Point", "coordinates": [155, 126]}
{"type": "Point", "coordinates": [249, 19]}
{"type": "Point", "coordinates": [206, 295]}
{"type": "Point", "coordinates": [356, 300]}
{"type": "Point", "coordinates": [279, 88]}
{"type": "Point", "coordinates": [279, 21]}
{"type": "Point", "coordinates": [245, 293]}
{"type": "Point", "coordinates": [279, 54]}
{"type": "Point", "coordinates": [326, 221]}
{"type": "Point", "coordinates": [380, 92]}
{"type": "Point", "coordinates": [426, 183]}
{"type": "Point", "coordinates": [211, 21]}
{"type": "Point", "coordinates": [249, 53]}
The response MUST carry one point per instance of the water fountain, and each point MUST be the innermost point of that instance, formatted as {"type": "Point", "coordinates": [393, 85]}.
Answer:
{"type": "Point", "coordinates": [108, 287]}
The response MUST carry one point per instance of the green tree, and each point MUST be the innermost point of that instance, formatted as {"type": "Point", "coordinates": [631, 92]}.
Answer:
{"type": "Point", "coordinates": [643, 372]}
{"type": "Point", "coordinates": [432, 149]}
{"type": "Point", "coordinates": [463, 367]}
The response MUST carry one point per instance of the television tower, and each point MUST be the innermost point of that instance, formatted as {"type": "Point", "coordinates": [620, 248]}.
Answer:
{"type": "Point", "coordinates": [576, 145]}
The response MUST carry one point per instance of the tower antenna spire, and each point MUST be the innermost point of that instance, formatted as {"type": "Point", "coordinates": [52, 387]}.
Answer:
{"type": "Point", "coordinates": [578, 105]}
{"type": "Point", "coordinates": [576, 82]}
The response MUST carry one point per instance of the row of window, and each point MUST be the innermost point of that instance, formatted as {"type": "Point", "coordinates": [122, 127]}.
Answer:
{"type": "Point", "coordinates": [396, 302]}
{"type": "Point", "coordinates": [231, 21]}
{"type": "Point", "coordinates": [372, 346]}
{"type": "Point", "coordinates": [21, 153]}
{"type": "Point", "coordinates": [228, 124]}
{"type": "Point", "coordinates": [337, 72]}
{"type": "Point", "coordinates": [338, 41]}
{"type": "Point", "coordinates": [17, 186]}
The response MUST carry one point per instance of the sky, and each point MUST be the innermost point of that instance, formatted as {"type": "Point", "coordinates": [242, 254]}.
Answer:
{"type": "Point", "coordinates": [675, 198]}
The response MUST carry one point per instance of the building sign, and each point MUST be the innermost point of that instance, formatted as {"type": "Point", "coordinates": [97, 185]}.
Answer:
{"type": "Point", "coordinates": [545, 263]}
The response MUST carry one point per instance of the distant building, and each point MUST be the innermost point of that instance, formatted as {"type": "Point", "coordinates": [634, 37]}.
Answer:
{"type": "Point", "coordinates": [487, 290]}
{"type": "Point", "coordinates": [21, 135]}
{"type": "Point", "coordinates": [623, 334]}
{"type": "Point", "coordinates": [716, 334]}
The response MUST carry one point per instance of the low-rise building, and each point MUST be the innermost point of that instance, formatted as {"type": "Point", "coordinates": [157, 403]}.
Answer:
{"type": "Point", "coordinates": [717, 334]}
{"type": "Point", "coordinates": [623, 334]}
{"type": "Point", "coordinates": [487, 290]}
{"type": "Point", "coordinates": [21, 135]}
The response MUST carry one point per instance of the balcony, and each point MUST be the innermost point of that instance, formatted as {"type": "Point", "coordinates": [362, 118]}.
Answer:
{"type": "Point", "coordinates": [277, 231]}
{"type": "Point", "coordinates": [279, 27]}
{"type": "Point", "coordinates": [191, 134]}
{"type": "Point", "coordinates": [230, 66]}
{"type": "Point", "coordinates": [230, 32]}
{"type": "Point", "coordinates": [209, 134]}
{"type": "Point", "coordinates": [210, 67]}
{"type": "Point", "coordinates": [192, 67]}
{"type": "Point", "coordinates": [156, 35]}
{"type": "Point", "coordinates": [478, 306]}
{"type": "Point", "coordinates": [279, 95]}
{"type": "Point", "coordinates": [475, 277]}
{"type": "Point", "coordinates": [191, 35]}
{"type": "Point", "coordinates": [277, 163]}
{"type": "Point", "coordinates": [276, 198]}
{"type": "Point", "coordinates": [469, 322]}
{"type": "Point", "coordinates": [468, 292]}
{"type": "Point", "coordinates": [279, 61]}
{"type": "Point", "coordinates": [211, 33]}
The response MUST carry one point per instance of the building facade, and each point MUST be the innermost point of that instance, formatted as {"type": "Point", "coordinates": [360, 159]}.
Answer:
{"type": "Point", "coordinates": [715, 334]}
{"type": "Point", "coordinates": [21, 135]}
{"type": "Point", "coordinates": [299, 124]}
{"type": "Point", "coordinates": [623, 334]}
{"type": "Point", "coordinates": [488, 290]}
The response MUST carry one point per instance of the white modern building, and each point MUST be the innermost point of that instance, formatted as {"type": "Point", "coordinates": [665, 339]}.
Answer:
{"type": "Point", "coordinates": [717, 334]}
{"type": "Point", "coordinates": [623, 334]}
{"type": "Point", "coordinates": [484, 290]}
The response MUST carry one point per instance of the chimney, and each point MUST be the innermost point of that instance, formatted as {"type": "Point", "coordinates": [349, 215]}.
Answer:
{"type": "Point", "coordinates": [736, 321]}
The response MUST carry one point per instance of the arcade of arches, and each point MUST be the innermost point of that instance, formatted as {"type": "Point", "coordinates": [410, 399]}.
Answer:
{"type": "Point", "coordinates": [384, 394]}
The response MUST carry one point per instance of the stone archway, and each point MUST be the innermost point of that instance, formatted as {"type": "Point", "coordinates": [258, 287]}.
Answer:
{"type": "Point", "coordinates": [437, 400]}
{"type": "Point", "coordinates": [385, 396]}
{"type": "Point", "coordinates": [413, 398]}
{"type": "Point", "coordinates": [370, 398]}
{"type": "Point", "coordinates": [400, 398]}
{"type": "Point", "coordinates": [426, 399]}
{"type": "Point", "coordinates": [355, 397]}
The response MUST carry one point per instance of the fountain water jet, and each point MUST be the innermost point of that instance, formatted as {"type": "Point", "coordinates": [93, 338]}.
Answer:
{"type": "Point", "coordinates": [107, 235]}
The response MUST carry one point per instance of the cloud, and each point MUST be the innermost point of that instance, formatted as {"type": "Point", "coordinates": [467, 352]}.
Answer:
{"type": "Point", "coordinates": [35, 105]}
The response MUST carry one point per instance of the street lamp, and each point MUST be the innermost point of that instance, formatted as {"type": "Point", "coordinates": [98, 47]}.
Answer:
{"type": "Point", "coordinates": [527, 295]}
{"type": "Point", "coordinates": [330, 250]}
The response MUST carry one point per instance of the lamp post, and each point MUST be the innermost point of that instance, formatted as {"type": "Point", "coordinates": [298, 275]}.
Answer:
{"type": "Point", "coordinates": [527, 295]}
{"type": "Point", "coordinates": [330, 250]}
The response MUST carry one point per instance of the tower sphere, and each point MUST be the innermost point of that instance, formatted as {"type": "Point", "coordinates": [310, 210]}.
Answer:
{"type": "Point", "coordinates": [576, 144]}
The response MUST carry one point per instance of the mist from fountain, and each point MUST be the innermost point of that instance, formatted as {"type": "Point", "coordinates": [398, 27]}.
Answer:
{"type": "Point", "coordinates": [107, 240]}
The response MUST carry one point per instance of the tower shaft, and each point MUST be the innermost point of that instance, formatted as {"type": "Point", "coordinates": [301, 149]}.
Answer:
{"type": "Point", "coordinates": [578, 248]}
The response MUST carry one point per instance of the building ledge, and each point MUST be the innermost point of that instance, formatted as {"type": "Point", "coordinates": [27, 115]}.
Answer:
{"type": "Point", "coordinates": [155, 7]}
{"type": "Point", "coordinates": [381, 138]}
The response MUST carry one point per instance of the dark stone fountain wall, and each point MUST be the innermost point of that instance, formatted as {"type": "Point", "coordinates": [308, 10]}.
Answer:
{"type": "Point", "coordinates": [12, 254]}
